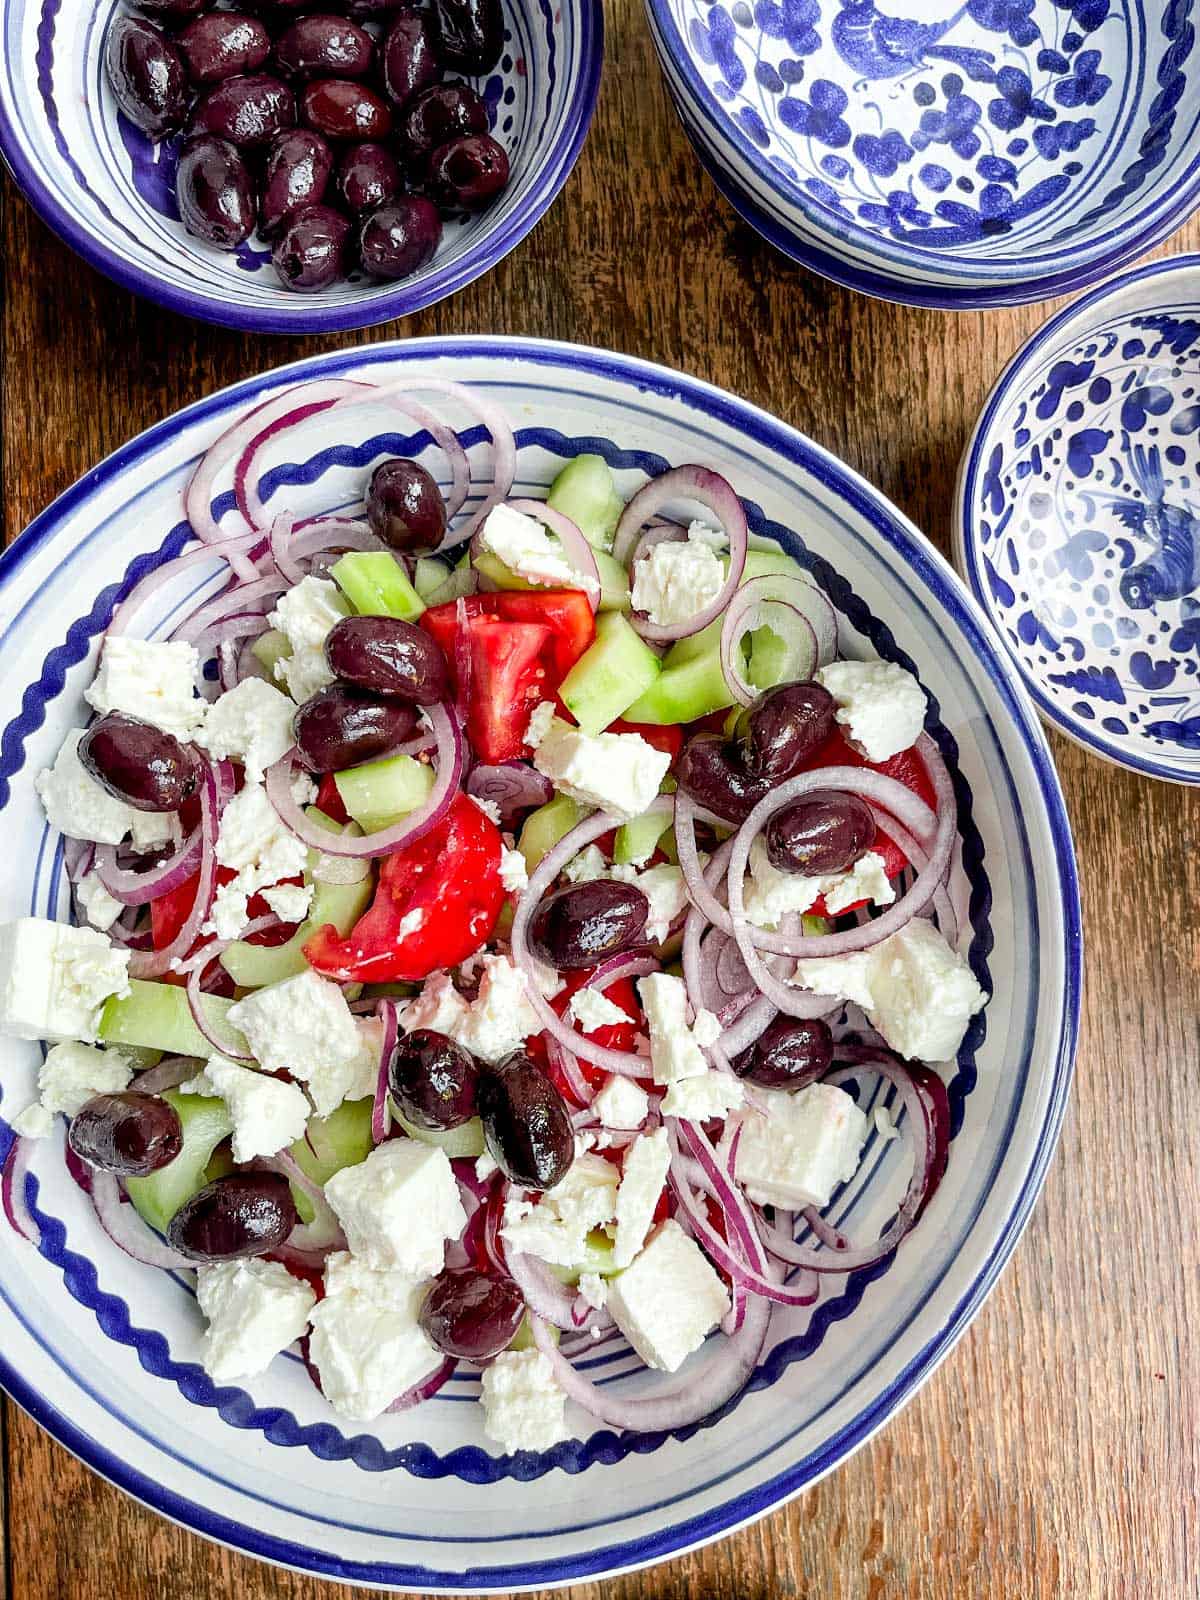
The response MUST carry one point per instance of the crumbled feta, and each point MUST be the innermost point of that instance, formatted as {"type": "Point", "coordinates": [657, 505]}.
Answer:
{"type": "Point", "coordinates": [587, 866]}
{"type": "Point", "coordinates": [676, 580]}
{"type": "Point", "coordinates": [715, 538]}
{"type": "Point", "coordinates": [523, 1405]}
{"type": "Point", "coordinates": [884, 1126]}
{"type": "Point", "coordinates": [918, 992]}
{"type": "Point", "coordinates": [101, 908]}
{"type": "Point", "coordinates": [867, 879]}
{"type": "Point", "coordinates": [486, 1167]}
{"type": "Point", "coordinates": [229, 914]}
{"type": "Point", "coordinates": [556, 1228]}
{"type": "Point", "coordinates": [35, 1122]}
{"type": "Point", "coordinates": [267, 1113]}
{"type": "Point", "coordinates": [438, 1006]}
{"type": "Point", "coordinates": [399, 1206]}
{"type": "Point", "coordinates": [514, 874]}
{"type": "Point", "coordinates": [255, 843]}
{"type": "Point", "coordinates": [490, 808]}
{"type": "Point", "coordinates": [304, 790]}
{"type": "Point", "coordinates": [668, 1300]}
{"type": "Point", "coordinates": [150, 830]}
{"type": "Point", "coordinates": [592, 1010]}
{"type": "Point", "coordinates": [76, 804]}
{"type": "Point", "coordinates": [303, 1026]}
{"type": "Point", "coordinates": [251, 723]}
{"type": "Point", "coordinates": [54, 979]}
{"type": "Point", "coordinates": [362, 1074]}
{"type": "Point", "coordinates": [769, 894]}
{"type": "Point", "coordinates": [72, 1073]}
{"type": "Point", "coordinates": [306, 613]}
{"type": "Point", "coordinates": [664, 888]}
{"type": "Point", "coordinates": [674, 1050]}
{"type": "Point", "coordinates": [621, 1103]}
{"type": "Point", "coordinates": [289, 901]}
{"type": "Point", "coordinates": [645, 1173]}
{"type": "Point", "coordinates": [618, 772]}
{"type": "Point", "coordinates": [795, 1152]}
{"type": "Point", "coordinates": [255, 1309]}
{"type": "Point", "coordinates": [366, 1343]}
{"type": "Point", "coordinates": [527, 549]}
{"type": "Point", "coordinates": [716, 1094]}
{"type": "Point", "coordinates": [539, 723]}
{"type": "Point", "coordinates": [593, 1290]}
{"type": "Point", "coordinates": [501, 1016]}
{"type": "Point", "coordinates": [880, 705]}
{"type": "Point", "coordinates": [152, 680]}
{"type": "Point", "coordinates": [411, 922]}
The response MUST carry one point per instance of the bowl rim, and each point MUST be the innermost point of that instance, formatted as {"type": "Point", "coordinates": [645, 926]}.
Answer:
{"type": "Point", "coordinates": [1150, 225]}
{"type": "Point", "coordinates": [950, 592]}
{"type": "Point", "coordinates": [966, 533]}
{"type": "Point", "coordinates": [312, 317]}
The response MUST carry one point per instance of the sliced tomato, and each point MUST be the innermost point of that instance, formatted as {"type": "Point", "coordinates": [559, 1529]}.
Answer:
{"type": "Point", "coordinates": [170, 911]}
{"type": "Point", "coordinates": [329, 800]}
{"type": "Point", "coordinates": [566, 612]}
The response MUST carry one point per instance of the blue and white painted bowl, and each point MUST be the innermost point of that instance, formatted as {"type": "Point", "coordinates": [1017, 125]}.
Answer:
{"type": "Point", "coordinates": [109, 192]}
{"type": "Point", "coordinates": [1078, 518]}
{"type": "Point", "coordinates": [105, 1353]}
{"type": "Point", "coordinates": [944, 153]}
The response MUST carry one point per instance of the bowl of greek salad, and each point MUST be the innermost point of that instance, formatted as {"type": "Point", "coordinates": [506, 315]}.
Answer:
{"type": "Point", "coordinates": [543, 949]}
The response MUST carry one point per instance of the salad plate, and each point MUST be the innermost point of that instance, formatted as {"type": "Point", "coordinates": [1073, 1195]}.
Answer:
{"type": "Point", "coordinates": [107, 1354]}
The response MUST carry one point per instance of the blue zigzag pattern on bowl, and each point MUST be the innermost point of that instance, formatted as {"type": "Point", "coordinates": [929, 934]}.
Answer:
{"type": "Point", "coordinates": [471, 1463]}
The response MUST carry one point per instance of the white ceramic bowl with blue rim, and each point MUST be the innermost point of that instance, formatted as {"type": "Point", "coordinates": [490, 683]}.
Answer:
{"type": "Point", "coordinates": [944, 153]}
{"type": "Point", "coordinates": [109, 192]}
{"type": "Point", "coordinates": [1077, 518]}
{"type": "Point", "coordinates": [105, 1352]}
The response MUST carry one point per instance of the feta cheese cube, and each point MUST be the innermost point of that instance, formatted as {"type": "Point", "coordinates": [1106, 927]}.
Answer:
{"type": "Point", "coordinates": [622, 1103]}
{"type": "Point", "coordinates": [531, 552]}
{"type": "Point", "coordinates": [716, 1094]}
{"type": "Point", "coordinates": [587, 866]}
{"type": "Point", "coordinates": [366, 1343]}
{"type": "Point", "coordinates": [289, 901]}
{"type": "Point", "coordinates": [229, 914]}
{"type": "Point", "coordinates": [72, 1073]}
{"type": "Point", "coordinates": [795, 1153]}
{"type": "Point", "coordinates": [255, 843]}
{"type": "Point", "coordinates": [438, 1006]}
{"type": "Point", "coordinates": [306, 613]}
{"type": "Point", "coordinates": [303, 1026]}
{"type": "Point", "coordinates": [867, 879]}
{"type": "Point", "coordinates": [54, 979]}
{"type": "Point", "coordinates": [100, 907]}
{"type": "Point", "coordinates": [255, 1309]}
{"type": "Point", "coordinates": [362, 1075]}
{"type": "Point", "coordinates": [641, 1189]}
{"type": "Point", "coordinates": [669, 1300]}
{"type": "Point", "coordinates": [593, 1289]}
{"type": "Point", "coordinates": [523, 1405]}
{"type": "Point", "coordinates": [267, 1113]}
{"type": "Point", "coordinates": [501, 1016]}
{"type": "Point", "coordinates": [664, 888]}
{"type": "Point", "coordinates": [676, 580]}
{"type": "Point", "coordinates": [715, 538]}
{"type": "Point", "coordinates": [556, 1228]}
{"type": "Point", "coordinates": [251, 723]}
{"type": "Point", "coordinates": [674, 1052]}
{"type": "Point", "coordinates": [880, 705]}
{"type": "Point", "coordinates": [76, 804]}
{"type": "Point", "coordinates": [490, 808]}
{"type": "Point", "coordinates": [399, 1206]}
{"type": "Point", "coordinates": [539, 723]}
{"type": "Point", "coordinates": [150, 679]}
{"type": "Point", "coordinates": [514, 874]}
{"type": "Point", "coordinates": [618, 772]}
{"type": "Point", "coordinates": [592, 1010]}
{"type": "Point", "coordinates": [35, 1122]}
{"type": "Point", "coordinates": [150, 830]}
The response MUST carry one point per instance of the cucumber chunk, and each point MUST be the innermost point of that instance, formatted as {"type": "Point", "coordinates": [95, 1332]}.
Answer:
{"type": "Point", "coordinates": [637, 840]}
{"type": "Point", "coordinates": [684, 690]}
{"type": "Point", "coordinates": [460, 582]}
{"type": "Point", "coordinates": [464, 1142]}
{"type": "Point", "coordinates": [584, 491]}
{"type": "Point", "coordinates": [157, 1015]}
{"type": "Point", "coordinates": [254, 966]}
{"type": "Point", "coordinates": [342, 1139]}
{"type": "Point", "coordinates": [381, 792]}
{"type": "Point", "coordinates": [597, 1257]}
{"type": "Point", "coordinates": [429, 575]}
{"type": "Point", "coordinates": [610, 674]}
{"type": "Point", "coordinates": [269, 648]}
{"type": "Point", "coordinates": [523, 1338]}
{"type": "Point", "coordinates": [205, 1122]}
{"type": "Point", "coordinates": [376, 585]}
{"type": "Point", "coordinates": [544, 827]}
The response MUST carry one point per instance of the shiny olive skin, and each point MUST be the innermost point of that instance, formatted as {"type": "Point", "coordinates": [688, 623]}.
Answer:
{"type": "Point", "coordinates": [398, 238]}
{"type": "Point", "coordinates": [405, 507]}
{"type": "Point", "coordinates": [790, 1053]}
{"type": "Point", "coordinates": [310, 252]}
{"type": "Point", "coordinates": [214, 191]}
{"type": "Point", "coordinates": [588, 922]}
{"type": "Point", "coordinates": [221, 44]}
{"type": "Point", "coordinates": [147, 76]}
{"type": "Point", "coordinates": [242, 1214]}
{"type": "Point", "coordinates": [367, 177]}
{"type": "Point", "coordinates": [468, 173]}
{"type": "Point", "coordinates": [408, 56]}
{"type": "Point", "coordinates": [342, 109]}
{"type": "Point", "coordinates": [296, 173]}
{"type": "Point", "coordinates": [248, 110]}
{"type": "Point", "coordinates": [386, 656]}
{"type": "Point", "coordinates": [783, 727]}
{"type": "Point", "coordinates": [130, 1133]}
{"type": "Point", "coordinates": [525, 1122]}
{"type": "Point", "coordinates": [711, 772]}
{"type": "Point", "coordinates": [823, 833]}
{"type": "Point", "coordinates": [146, 768]}
{"type": "Point", "coordinates": [471, 1315]}
{"type": "Point", "coordinates": [324, 46]}
{"type": "Point", "coordinates": [432, 1080]}
{"type": "Point", "coordinates": [470, 34]}
{"type": "Point", "coordinates": [340, 727]}
{"type": "Point", "coordinates": [440, 113]}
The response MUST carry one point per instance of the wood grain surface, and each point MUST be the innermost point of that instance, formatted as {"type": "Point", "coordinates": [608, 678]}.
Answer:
{"type": "Point", "coordinates": [1055, 1453]}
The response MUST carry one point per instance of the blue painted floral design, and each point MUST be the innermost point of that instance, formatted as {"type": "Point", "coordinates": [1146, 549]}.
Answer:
{"type": "Point", "coordinates": [820, 116]}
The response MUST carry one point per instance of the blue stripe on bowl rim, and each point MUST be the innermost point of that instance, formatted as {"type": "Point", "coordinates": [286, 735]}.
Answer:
{"type": "Point", "coordinates": [929, 568]}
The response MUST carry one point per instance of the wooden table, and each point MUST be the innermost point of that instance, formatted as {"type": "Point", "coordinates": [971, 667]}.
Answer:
{"type": "Point", "coordinates": [1055, 1454]}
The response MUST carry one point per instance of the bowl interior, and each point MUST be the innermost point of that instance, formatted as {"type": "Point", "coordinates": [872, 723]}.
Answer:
{"type": "Point", "coordinates": [106, 1352]}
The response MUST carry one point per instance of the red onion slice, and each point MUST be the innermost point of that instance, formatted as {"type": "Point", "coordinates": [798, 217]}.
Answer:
{"type": "Point", "coordinates": [161, 576]}
{"type": "Point", "coordinates": [426, 1389]}
{"type": "Point", "coordinates": [576, 548]}
{"type": "Point", "coordinates": [12, 1190]}
{"type": "Point", "coordinates": [153, 963]}
{"type": "Point", "coordinates": [379, 1106]}
{"type": "Point", "coordinates": [239, 600]}
{"type": "Point", "coordinates": [126, 1229]}
{"type": "Point", "coordinates": [139, 888]}
{"type": "Point", "coordinates": [514, 786]}
{"type": "Point", "coordinates": [765, 602]}
{"type": "Point", "coordinates": [545, 1296]}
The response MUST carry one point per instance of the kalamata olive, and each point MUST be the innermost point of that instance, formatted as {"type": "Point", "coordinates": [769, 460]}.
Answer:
{"type": "Point", "coordinates": [298, 167]}
{"type": "Point", "coordinates": [821, 833]}
{"type": "Point", "coordinates": [222, 44]}
{"type": "Point", "coordinates": [432, 1080]}
{"type": "Point", "coordinates": [341, 726]}
{"type": "Point", "coordinates": [149, 769]}
{"type": "Point", "coordinates": [147, 77]}
{"type": "Point", "coordinates": [409, 57]}
{"type": "Point", "coordinates": [242, 1214]}
{"type": "Point", "coordinates": [470, 34]}
{"type": "Point", "coordinates": [711, 772]}
{"type": "Point", "coordinates": [310, 253]}
{"type": "Point", "coordinates": [783, 727]}
{"type": "Point", "coordinates": [400, 237]}
{"type": "Point", "coordinates": [133, 1134]}
{"type": "Point", "coordinates": [214, 192]}
{"type": "Point", "coordinates": [405, 507]}
{"type": "Point", "coordinates": [587, 922]}
{"type": "Point", "coordinates": [342, 109]}
{"type": "Point", "coordinates": [386, 656]}
{"type": "Point", "coordinates": [368, 176]}
{"type": "Point", "coordinates": [324, 46]}
{"type": "Point", "coordinates": [468, 173]}
{"type": "Point", "coordinates": [525, 1122]}
{"type": "Point", "coordinates": [440, 113]}
{"type": "Point", "coordinates": [247, 110]}
{"type": "Point", "coordinates": [790, 1053]}
{"type": "Point", "coordinates": [471, 1315]}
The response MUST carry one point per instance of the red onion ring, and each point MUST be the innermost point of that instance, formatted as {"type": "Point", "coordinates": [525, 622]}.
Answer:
{"type": "Point", "coordinates": [198, 496]}
{"type": "Point", "coordinates": [12, 1190]}
{"type": "Point", "coordinates": [425, 1390]}
{"type": "Point", "coordinates": [139, 888]}
{"type": "Point", "coordinates": [278, 417]}
{"type": "Point", "coordinates": [153, 963]}
{"type": "Point", "coordinates": [379, 1106]}
{"type": "Point", "coordinates": [578, 551]}
{"type": "Point", "coordinates": [544, 1295]}
{"type": "Point", "coordinates": [329, 539]}
{"type": "Point", "coordinates": [169, 570]}
{"type": "Point", "coordinates": [764, 602]}
{"type": "Point", "coordinates": [126, 1229]}
{"type": "Point", "coordinates": [195, 966]}
{"type": "Point", "coordinates": [238, 600]}
{"type": "Point", "coordinates": [287, 1165]}
{"type": "Point", "coordinates": [514, 786]}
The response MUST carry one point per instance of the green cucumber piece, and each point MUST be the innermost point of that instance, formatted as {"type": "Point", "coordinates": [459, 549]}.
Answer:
{"type": "Point", "coordinates": [254, 966]}
{"type": "Point", "coordinates": [342, 1139]}
{"type": "Point", "coordinates": [460, 582]}
{"type": "Point", "coordinates": [523, 1338]}
{"type": "Point", "coordinates": [544, 827]}
{"type": "Point", "coordinates": [376, 585]}
{"type": "Point", "coordinates": [612, 672]}
{"type": "Point", "coordinates": [157, 1015]}
{"type": "Point", "coordinates": [597, 1257]}
{"type": "Point", "coordinates": [269, 648]}
{"type": "Point", "coordinates": [429, 575]}
{"type": "Point", "coordinates": [205, 1123]}
{"type": "Point", "coordinates": [584, 491]}
{"type": "Point", "coordinates": [464, 1142]}
{"type": "Point", "coordinates": [381, 792]}
{"type": "Point", "coordinates": [637, 840]}
{"type": "Point", "coordinates": [684, 691]}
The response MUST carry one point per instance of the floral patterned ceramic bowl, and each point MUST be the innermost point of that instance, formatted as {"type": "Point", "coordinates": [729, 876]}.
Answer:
{"type": "Point", "coordinates": [1078, 518]}
{"type": "Point", "coordinates": [944, 153]}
